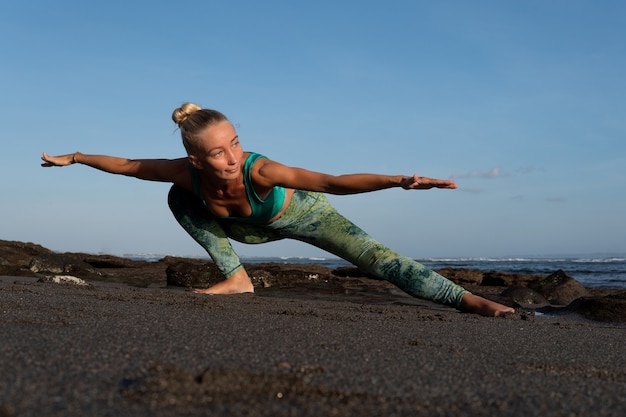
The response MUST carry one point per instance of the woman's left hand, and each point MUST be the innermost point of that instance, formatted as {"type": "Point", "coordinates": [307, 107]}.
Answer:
{"type": "Point", "coordinates": [424, 183]}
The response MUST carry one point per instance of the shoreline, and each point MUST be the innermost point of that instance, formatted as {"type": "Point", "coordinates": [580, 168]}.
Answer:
{"type": "Point", "coordinates": [557, 292]}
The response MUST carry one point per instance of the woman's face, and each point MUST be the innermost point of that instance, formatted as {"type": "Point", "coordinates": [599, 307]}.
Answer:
{"type": "Point", "coordinates": [218, 153]}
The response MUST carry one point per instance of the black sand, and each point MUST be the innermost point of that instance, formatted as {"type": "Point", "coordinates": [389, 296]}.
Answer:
{"type": "Point", "coordinates": [115, 350]}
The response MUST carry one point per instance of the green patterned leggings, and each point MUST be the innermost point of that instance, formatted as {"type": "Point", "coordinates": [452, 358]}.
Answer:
{"type": "Point", "coordinates": [310, 218]}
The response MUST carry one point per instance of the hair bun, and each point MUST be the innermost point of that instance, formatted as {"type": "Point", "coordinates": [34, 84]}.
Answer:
{"type": "Point", "coordinates": [180, 115]}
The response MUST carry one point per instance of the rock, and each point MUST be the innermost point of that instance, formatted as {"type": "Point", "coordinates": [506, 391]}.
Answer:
{"type": "Point", "coordinates": [108, 261]}
{"type": "Point", "coordinates": [525, 297]}
{"type": "Point", "coordinates": [15, 257]}
{"type": "Point", "coordinates": [7, 411]}
{"type": "Point", "coordinates": [266, 276]}
{"type": "Point", "coordinates": [520, 314]}
{"type": "Point", "coordinates": [466, 276]}
{"type": "Point", "coordinates": [28, 259]}
{"type": "Point", "coordinates": [63, 279]}
{"type": "Point", "coordinates": [462, 276]}
{"type": "Point", "coordinates": [60, 264]}
{"type": "Point", "coordinates": [509, 279]}
{"type": "Point", "coordinates": [609, 308]}
{"type": "Point", "coordinates": [559, 288]}
{"type": "Point", "coordinates": [193, 275]}
{"type": "Point", "coordinates": [304, 276]}
{"type": "Point", "coordinates": [13, 253]}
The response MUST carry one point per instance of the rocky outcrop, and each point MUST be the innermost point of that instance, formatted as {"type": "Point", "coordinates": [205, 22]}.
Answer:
{"type": "Point", "coordinates": [54, 263]}
{"type": "Point", "coordinates": [16, 256]}
{"type": "Point", "coordinates": [528, 291]}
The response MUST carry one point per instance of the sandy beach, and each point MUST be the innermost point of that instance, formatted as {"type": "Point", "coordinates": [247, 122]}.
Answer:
{"type": "Point", "coordinates": [116, 350]}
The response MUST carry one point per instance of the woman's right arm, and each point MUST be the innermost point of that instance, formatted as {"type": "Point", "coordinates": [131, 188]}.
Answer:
{"type": "Point", "coordinates": [165, 170]}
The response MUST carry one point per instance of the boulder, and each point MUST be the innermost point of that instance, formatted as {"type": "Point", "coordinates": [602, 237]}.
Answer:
{"type": "Point", "coordinates": [60, 264]}
{"type": "Point", "coordinates": [559, 288]}
{"type": "Point", "coordinates": [192, 274]}
{"type": "Point", "coordinates": [525, 297]}
{"type": "Point", "coordinates": [609, 308]}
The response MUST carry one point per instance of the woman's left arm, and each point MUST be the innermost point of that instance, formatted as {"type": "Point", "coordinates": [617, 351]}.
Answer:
{"type": "Point", "coordinates": [270, 173]}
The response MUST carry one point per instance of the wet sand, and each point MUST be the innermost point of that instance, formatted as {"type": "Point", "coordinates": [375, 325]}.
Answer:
{"type": "Point", "coordinates": [117, 350]}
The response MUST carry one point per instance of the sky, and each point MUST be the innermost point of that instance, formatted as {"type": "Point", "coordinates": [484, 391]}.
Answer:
{"type": "Point", "coordinates": [523, 103]}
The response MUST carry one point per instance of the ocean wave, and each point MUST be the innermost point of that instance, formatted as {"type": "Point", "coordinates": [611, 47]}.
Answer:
{"type": "Point", "coordinates": [598, 260]}
{"type": "Point", "coordinates": [522, 260]}
{"type": "Point", "coordinates": [297, 258]}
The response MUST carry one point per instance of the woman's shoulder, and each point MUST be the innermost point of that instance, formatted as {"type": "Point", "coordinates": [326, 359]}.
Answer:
{"type": "Point", "coordinates": [251, 159]}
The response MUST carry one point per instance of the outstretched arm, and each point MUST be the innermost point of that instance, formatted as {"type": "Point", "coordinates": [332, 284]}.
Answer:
{"type": "Point", "coordinates": [166, 170]}
{"type": "Point", "coordinates": [271, 173]}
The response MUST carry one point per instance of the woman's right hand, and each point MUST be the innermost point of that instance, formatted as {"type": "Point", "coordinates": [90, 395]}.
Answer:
{"type": "Point", "coordinates": [58, 161]}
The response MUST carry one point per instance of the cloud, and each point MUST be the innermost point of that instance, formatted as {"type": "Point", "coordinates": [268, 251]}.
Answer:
{"type": "Point", "coordinates": [495, 173]}
{"type": "Point", "coordinates": [530, 169]}
{"type": "Point", "coordinates": [472, 190]}
{"type": "Point", "coordinates": [559, 199]}
{"type": "Point", "coordinates": [492, 173]}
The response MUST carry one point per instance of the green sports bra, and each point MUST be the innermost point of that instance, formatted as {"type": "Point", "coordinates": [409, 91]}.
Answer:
{"type": "Point", "coordinates": [262, 210]}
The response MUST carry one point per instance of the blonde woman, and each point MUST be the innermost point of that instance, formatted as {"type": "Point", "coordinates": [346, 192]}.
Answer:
{"type": "Point", "coordinates": [221, 192]}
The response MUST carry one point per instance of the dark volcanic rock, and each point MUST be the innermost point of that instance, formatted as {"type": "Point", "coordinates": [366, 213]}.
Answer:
{"type": "Point", "coordinates": [610, 308]}
{"type": "Point", "coordinates": [110, 261]}
{"type": "Point", "coordinates": [266, 275]}
{"type": "Point", "coordinates": [203, 274]}
{"type": "Point", "coordinates": [193, 274]}
{"type": "Point", "coordinates": [462, 276]}
{"type": "Point", "coordinates": [525, 297]}
{"type": "Point", "coordinates": [60, 264]}
{"type": "Point", "coordinates": [466, 276]}
{"type": "Point", "coordinates": [15, 257]}
{"type": "Point", "coordinates": [508, 279]}
{"type": "Point", "coordinates": [559, 288]}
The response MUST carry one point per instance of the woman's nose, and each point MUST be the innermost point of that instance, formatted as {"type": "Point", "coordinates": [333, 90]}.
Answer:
{"type": "Point", "coordinates": [232, 158]}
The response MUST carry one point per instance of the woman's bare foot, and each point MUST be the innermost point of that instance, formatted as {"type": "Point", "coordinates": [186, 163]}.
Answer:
{"type": "Point", "coordinates": [237, 283]}
{"type": "Point", "coordinates": [471, 303]}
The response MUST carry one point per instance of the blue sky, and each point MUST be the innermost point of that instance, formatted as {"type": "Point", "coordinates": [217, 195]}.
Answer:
{"type": "Point", "coordinates": [522, 102]}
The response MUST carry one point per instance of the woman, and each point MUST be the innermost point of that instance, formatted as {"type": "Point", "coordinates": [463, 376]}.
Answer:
{"type": "Point", "coordinates": [222, 192]}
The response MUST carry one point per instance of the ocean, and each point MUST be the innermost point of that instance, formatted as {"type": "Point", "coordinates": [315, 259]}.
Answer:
{"type": "Point", "coordinates": [591, 271]}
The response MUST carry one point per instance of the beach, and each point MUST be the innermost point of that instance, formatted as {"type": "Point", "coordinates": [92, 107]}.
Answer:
{"type": "Point", "coordinates": [111, 348]}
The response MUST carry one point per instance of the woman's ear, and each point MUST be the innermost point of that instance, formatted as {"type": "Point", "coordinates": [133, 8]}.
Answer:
{"type": "Point", "coordinates": [193, 160]}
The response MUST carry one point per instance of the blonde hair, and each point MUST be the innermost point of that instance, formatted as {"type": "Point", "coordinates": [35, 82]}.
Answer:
{"type": "Point", "coordinates": [192, 120]}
